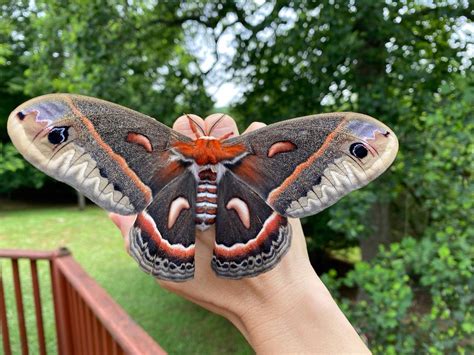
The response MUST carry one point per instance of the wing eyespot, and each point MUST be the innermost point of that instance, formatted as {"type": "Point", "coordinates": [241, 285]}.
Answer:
{"type": "Point", "coordinates": [358, 150]}
{"type": "Point", "coordinates": [58, 135]}
{"type": "Point", "coordinates": [20, 115]}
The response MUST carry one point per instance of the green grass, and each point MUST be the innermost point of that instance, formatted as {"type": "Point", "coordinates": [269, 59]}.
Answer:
{"type": "Point", "coordinates": [176, 324]}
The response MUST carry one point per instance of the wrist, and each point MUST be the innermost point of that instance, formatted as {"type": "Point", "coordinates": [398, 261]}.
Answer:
{"type": "Point", "coordinates": [299, 316]}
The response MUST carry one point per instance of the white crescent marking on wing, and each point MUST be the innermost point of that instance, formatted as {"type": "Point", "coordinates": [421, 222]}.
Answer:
{"type": "Point", "coordinates": [176, 207]}
{"type": "Point", "coordinates": [242, 210]}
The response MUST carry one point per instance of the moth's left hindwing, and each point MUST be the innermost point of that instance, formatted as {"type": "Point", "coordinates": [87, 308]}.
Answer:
{"type": "Point", "coordinates": [162, 238]}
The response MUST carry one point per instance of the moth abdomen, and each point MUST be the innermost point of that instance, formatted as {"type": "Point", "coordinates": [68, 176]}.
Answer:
{"type": "Point", "coordinates": [206, 198]}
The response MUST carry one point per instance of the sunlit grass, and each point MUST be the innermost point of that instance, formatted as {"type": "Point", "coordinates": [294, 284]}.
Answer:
{"type": "Point", "coordinates": [176, 324]}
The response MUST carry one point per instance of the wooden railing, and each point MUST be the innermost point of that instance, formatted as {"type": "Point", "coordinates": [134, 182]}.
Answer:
{"type": "Point", "coordinates": [87, 320]}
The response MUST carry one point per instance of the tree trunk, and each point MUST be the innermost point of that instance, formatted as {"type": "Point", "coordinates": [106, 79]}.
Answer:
{"type": "Point", "coordinates": [380, 222]}
{"type": "Point", "coordinates": [81, 201]}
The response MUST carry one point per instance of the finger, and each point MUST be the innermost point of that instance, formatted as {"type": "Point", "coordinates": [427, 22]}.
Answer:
{"type": "Point", "coordinates": [254, 126]}
{"type": "Point", "coordinates": [190, 125]}
{"type": "Point", "coordinates": [124, 223]}
{"type": "Point", "coordinates": [219, 125]}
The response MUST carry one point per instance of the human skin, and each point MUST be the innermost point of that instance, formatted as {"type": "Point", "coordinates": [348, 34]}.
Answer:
{"type": "Point", "coordinates": [285, 310]}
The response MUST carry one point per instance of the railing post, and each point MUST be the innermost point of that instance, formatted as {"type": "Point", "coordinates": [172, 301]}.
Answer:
{"type": "Point", "coordinates": [3, 318]}
{"type": "Point", "coordinates": [19, 307]}
{"type": "Point", "coordinates": [38, 307]}
{"type": "Point", "coordinates": [60, 297]}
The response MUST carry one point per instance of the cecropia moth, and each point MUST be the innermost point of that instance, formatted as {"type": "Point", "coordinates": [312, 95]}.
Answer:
{"type": "Point", "coordinates": [247, 186]}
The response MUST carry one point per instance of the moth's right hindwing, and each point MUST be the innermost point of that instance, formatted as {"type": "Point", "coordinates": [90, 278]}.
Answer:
{"type": "Point", "coordinates": [251, 238]}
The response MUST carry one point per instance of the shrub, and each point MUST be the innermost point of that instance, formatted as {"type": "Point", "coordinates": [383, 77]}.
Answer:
{"type": "Point", "coordinates": [417, 295]}
{"type": "Point", "coordinates": [16, 172]}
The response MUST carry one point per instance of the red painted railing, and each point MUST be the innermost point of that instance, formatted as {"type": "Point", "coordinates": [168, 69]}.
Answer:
{"type": "Point", "coordinates": [87, 320]}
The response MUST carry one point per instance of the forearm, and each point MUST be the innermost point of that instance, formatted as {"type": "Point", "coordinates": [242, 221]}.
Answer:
{"type": "Point", "coordinates": [298, 316]}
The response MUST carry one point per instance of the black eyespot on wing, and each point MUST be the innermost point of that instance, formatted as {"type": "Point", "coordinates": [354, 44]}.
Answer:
{"type": "Point", "coordinates": [21, 115]}
{"type": "Point", "coordinates": [358, 150]}
{"type": "Point", "coordinates": [58, 135]}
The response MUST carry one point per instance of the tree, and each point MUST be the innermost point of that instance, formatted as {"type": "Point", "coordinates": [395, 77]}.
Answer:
{"type": "Point", "coordinates": [387, 59]}
{"type": "Point", "coordinates": [115, 51]}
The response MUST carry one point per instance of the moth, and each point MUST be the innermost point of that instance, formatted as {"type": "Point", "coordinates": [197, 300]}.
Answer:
{"type": "Point", "coordinates": [246, 186]}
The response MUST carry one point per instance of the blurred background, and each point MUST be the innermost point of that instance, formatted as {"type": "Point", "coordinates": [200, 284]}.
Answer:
{"type": "Point", "coordinates": [397, 255]}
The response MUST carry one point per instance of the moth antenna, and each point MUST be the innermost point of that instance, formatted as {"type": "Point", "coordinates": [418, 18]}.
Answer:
{"type": "Point", "coordinates": [193, 126]}
{"type": "Point", "coordinates": [215, 123]}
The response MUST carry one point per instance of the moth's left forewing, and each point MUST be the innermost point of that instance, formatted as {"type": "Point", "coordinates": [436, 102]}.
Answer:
{"type": "Point", "coordinates": [123, 161]}
{"type": "Point", "coordinates": [302, 166]}
{"type": "Point", "coordinates": [117, 157]}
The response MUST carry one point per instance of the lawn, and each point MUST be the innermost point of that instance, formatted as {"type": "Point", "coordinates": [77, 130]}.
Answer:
{"type": "Point", "coordinates": [176, 324]}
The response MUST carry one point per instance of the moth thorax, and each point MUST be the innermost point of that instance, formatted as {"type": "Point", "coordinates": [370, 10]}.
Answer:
{"type": "Point", "coordinates": [206, 202]}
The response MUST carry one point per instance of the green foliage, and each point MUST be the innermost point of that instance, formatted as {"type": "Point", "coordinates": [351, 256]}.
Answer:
{"type": "Point", "coordinates": [440, 172]}
{"type": "Point", "coordinates": [417, 294]}
{"type": "Point", "coordinates": [5, 50]}
{"type": "Point", "coordinates": [16, 172]}
{"type": "Point", "coordinates": [122, 53]}
{"type": "Point", "coordinates": [116, 52]}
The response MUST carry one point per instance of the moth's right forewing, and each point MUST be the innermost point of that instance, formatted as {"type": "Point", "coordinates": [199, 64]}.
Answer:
{"type": "Point", "coordinates": [302, 166]}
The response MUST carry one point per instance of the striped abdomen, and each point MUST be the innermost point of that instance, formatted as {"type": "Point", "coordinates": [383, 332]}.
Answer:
{"type": "Point", "coordinates": [206, 203]}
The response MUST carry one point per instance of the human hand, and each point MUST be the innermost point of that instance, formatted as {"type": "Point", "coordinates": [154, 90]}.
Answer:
{"type": "Point", "coordinates": [286, 309]}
